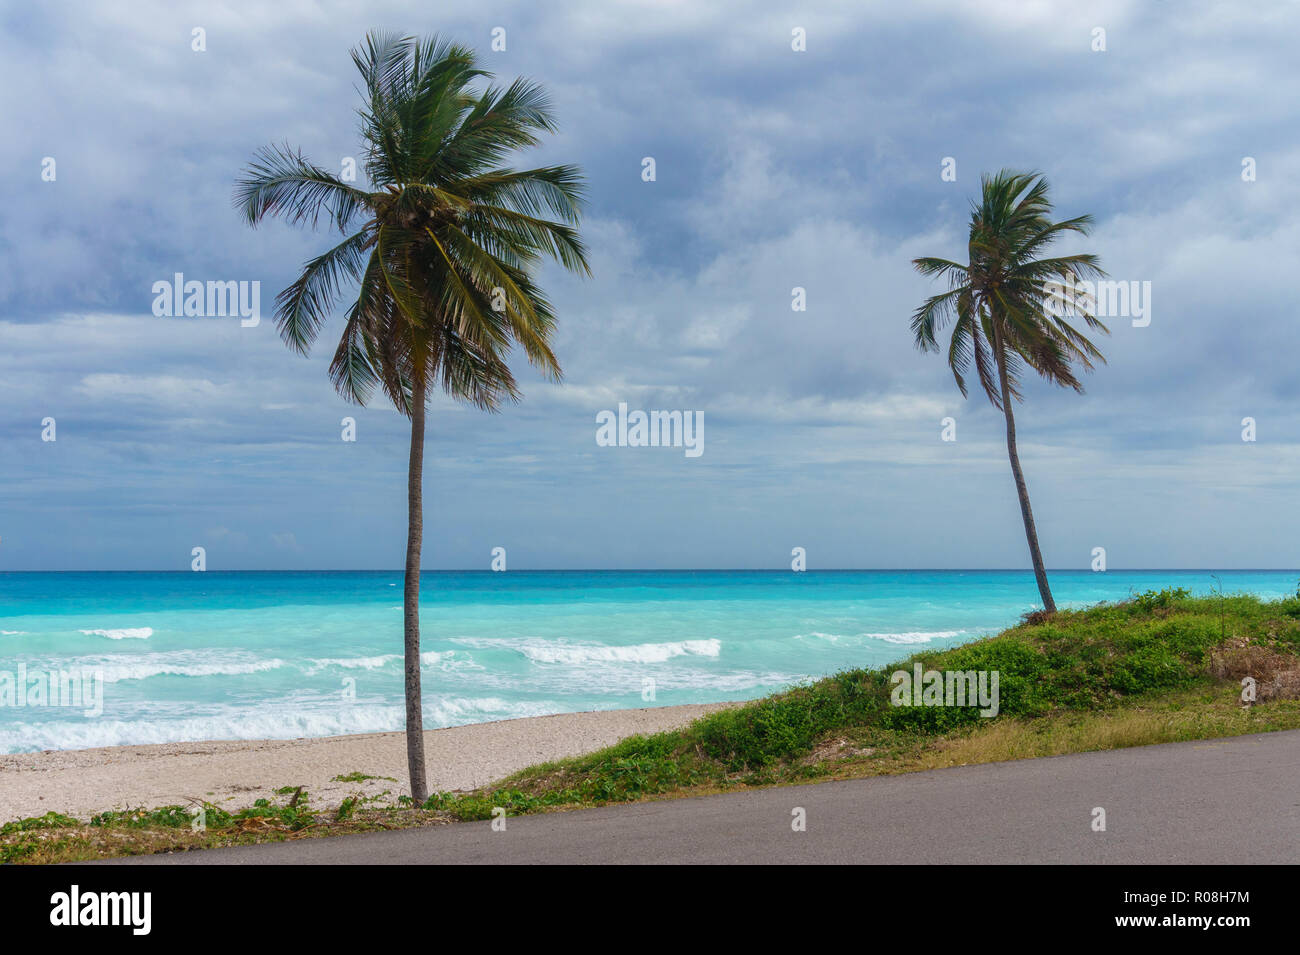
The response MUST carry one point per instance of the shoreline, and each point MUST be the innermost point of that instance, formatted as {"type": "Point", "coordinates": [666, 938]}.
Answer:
{"type": "Point", "coordinates": [233, 774]}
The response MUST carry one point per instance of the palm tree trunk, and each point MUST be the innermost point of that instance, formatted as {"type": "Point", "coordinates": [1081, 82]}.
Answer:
{"type": "Point", "coordinates": [1035, 555]}
{"type": "Point", "coordinates": [411, 598]}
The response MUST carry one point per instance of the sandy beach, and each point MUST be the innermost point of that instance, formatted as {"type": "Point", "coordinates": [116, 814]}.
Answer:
{"type": "Point", "coordinates": [234, 773]}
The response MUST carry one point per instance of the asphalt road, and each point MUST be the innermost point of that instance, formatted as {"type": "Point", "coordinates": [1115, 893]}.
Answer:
{"type": "Point", "coordinates": [1231, 801]}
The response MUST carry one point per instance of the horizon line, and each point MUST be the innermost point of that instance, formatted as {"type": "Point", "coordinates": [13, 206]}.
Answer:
{"type": "Point", "coordinates": [679, 570]}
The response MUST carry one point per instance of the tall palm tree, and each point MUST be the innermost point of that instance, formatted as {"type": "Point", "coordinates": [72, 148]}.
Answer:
{"type": "Point", "coordinates": [442, 248]}
{"type": "Point", "coordinates": [1010, 309]}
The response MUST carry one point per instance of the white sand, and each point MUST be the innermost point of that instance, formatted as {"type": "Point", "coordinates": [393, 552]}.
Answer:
{"type": "Point", "coordinates": [233, 773]}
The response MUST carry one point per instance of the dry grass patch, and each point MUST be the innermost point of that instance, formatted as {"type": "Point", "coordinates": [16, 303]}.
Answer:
{"type": "Point", "coordinates": [1276, 675]}
{"type": "Point", "coordinates": [1170, 722]}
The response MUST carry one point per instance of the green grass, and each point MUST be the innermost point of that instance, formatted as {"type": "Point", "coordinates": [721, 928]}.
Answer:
{"type": "Point", "coordinates": [360, 778]}
{"type": "Point", "coordinates": [1162, 667]}
{"type": "Point", "coordinates": [58, 838]}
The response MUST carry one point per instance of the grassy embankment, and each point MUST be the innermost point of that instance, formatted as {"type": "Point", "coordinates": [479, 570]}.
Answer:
{"type": "Point", "coordinates": [1160, 668]}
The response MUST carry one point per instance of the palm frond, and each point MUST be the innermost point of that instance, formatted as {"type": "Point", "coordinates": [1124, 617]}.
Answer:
{"type": "Point", "coordinates": [280, 182]}
{"type": "Point", "coordinates": [1010, 316]}
{"type": "Point", "coordinates": [303, 307]}
{"type": "Point", "coordinates": [450, 229]}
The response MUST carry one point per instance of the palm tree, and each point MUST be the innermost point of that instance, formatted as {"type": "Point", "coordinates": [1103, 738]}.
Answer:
{"type": "Point", "coordinates": [442, 248]}
{"type": "Point", "coordinates": [1010, 309]}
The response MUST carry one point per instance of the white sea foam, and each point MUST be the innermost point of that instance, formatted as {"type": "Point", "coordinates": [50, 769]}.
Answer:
{"type": "Point", "coordinates": [229, 723]}
{"type": "Point", "coordinates": [579, 654]}
{"type": "Point", "coordinates": [737, 681]}
{"type": "Point", "coordinates": [11, 633]}
{"type": "Point", "coordinates": [456, 711]}
{"type": "Point", "coordinates": [126, 633]}
{"type": "Point", "coordinates": [116, 673]}
{"type": "Point", "coordinates": [120, 667]}
{"type": "Point", "coordinates": [914, 636]}
{"type": "Point", "coordinates": [352, 663]}
{"type": "Point", "coordinates": [298, 719]}
{"type": "Point", "coordinates": [449, 660]}
{"type": "Point", "coordinates": [818, 635]}
{"type": "Point", "coordinates": [445, 660]}
{"type": "Point", "coordinates": [910, 636]}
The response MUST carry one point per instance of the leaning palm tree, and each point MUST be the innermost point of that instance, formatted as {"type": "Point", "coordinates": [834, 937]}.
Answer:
{"type": "Point", "coordinates": [442, 248]}
{"type": "Point", "coordinates": [1009, 309]}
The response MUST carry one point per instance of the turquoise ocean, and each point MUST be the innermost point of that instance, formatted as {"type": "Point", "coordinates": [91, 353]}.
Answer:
{"type": "Point", "coordinates": [252, 655]}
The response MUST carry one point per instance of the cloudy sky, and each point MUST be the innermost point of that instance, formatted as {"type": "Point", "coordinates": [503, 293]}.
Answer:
{"type": "Point", "coordinates": [775, 169]}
